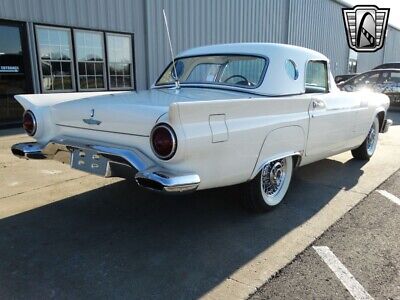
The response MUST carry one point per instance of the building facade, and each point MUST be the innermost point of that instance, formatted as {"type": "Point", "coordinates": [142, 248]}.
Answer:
{"type": "Point", "coordinates": [49, 46]}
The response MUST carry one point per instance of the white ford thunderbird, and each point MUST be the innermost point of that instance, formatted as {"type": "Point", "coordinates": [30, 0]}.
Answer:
{"type": "Point", "coordinates": [220, 115]}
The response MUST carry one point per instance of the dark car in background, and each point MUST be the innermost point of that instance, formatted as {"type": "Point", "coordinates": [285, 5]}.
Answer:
{"type": "Point", "coordinates": [394, 65]}
{"type": "Point", "coordinates": [342, 78]}
{"type": "Point", "coordinates": [386, 81]}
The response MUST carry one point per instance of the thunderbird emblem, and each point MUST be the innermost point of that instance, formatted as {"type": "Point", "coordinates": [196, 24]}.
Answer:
{"type": "Point", "coordinates": [92, 121]}
{"type": "Point", "coordinates": [366, 27]}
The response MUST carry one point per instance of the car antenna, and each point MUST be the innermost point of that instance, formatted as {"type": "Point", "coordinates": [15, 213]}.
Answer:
{"type": "Point", "coordinates": [177, 84]}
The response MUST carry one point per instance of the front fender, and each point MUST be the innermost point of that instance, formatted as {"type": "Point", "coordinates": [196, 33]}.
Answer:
{"type": "Point", "coordinates": [279, 143]}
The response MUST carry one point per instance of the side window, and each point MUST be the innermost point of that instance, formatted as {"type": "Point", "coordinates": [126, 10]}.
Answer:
{"type": "Point", "coordinates": [373, 78]}
{"type": "Point", "coordinates": [316, 77]}
{"type": "Point", "coordinates": [395, 77]}
{"type": "Point", "coordinates": [370, 78]}
{"type": "Point", "coordinates": [391, 83]}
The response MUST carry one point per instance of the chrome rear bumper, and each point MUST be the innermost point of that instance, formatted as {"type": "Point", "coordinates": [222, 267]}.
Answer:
{"type": "Point", "coordinates": [125, 163]}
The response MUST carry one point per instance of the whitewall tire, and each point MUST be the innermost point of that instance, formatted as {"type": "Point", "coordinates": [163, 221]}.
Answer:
{"type": "Point", "coordinates": [270, 185]}
{"type": "Point", "coordinates": [367, 148]}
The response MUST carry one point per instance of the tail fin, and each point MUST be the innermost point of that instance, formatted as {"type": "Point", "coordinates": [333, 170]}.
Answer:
{"type": "Point", "coordinates": [42, 100]}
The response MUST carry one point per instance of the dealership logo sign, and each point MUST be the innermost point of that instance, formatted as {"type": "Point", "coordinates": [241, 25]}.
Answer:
{"type": "Point", "coordinates": [366, 27]}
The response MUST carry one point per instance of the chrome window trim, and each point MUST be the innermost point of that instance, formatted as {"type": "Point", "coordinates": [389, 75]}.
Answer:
{"type": "Point", "coordinates": [218, 85]}
{"type": "Point", "coordinates": [328, 83]}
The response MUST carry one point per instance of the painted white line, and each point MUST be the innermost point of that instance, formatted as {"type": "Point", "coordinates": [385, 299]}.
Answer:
{"type": "Point", "coordinates": [390, 196]}
{"type": "Point", "coordinates": [341, 272]}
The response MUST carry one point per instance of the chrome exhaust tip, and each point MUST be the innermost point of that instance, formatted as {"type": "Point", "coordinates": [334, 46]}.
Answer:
{"type": "Point", "coordinates": [28, 151]}
{"type": "Point", "coordinates": [161, 180]}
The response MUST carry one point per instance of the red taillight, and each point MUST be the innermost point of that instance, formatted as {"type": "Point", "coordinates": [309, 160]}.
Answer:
{"type": "Point", "coordinates": [29, 122]}
{"type": "Point", "coordinates": [163, 141]}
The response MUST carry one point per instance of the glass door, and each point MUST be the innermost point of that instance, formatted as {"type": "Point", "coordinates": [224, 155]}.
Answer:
{"type": "Point", "coordinates": [15, 74]}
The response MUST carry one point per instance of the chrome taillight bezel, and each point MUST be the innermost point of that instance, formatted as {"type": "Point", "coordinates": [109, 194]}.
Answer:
{"type": "Point", "coordinates": [32, 116]}
{"type": "Point", "coordinates": [173, 138]}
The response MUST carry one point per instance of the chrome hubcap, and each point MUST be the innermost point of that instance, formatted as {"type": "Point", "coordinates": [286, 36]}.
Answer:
{"type": "Point", "coordinates": [273, 176]}
{"type": "Point", "coordinates": [371, 139]}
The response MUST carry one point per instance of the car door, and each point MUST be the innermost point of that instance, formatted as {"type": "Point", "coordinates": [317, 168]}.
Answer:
{"type": "Point", "coordinates": [331, 113]}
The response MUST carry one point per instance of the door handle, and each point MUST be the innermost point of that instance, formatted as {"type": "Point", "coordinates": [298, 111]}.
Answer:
{"type": "Point", "coordinates": [318, 104]}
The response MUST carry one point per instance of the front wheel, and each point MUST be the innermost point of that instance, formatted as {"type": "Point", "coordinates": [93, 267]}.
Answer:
{"type": "Point", "coordinates": [367, 148]}
{"type": "Point", "coordinates": [269, 187]}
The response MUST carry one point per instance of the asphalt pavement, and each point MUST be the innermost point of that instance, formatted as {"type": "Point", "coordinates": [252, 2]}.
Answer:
{"type": "Point", "coordinates": [366, 241]}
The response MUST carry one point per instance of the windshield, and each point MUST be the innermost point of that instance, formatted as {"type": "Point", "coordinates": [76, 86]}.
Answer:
{"type": "Point", "coordinates": [234, 70]}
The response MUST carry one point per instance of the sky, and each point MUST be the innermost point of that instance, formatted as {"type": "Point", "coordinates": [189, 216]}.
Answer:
{"type": "Point", "coordinates": [394, 5]}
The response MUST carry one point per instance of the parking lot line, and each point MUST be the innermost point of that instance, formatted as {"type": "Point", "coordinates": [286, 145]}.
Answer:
{"type": "Point", "coordinates": [341, 272]}
{"type": "Point", "coordinates": [389, 196]}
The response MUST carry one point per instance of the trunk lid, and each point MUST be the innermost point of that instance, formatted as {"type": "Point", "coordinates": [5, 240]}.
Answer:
{"type": "Point", "coordinates": [128, 113]}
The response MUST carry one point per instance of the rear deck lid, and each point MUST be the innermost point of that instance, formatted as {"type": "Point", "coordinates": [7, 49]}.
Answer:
{"type": "Point", "coordinates": [129, 113]}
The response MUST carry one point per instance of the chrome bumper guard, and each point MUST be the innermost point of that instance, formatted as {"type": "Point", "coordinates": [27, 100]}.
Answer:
{"type": "Point", "coordinates": [125, 163]}
{"type": "Point", "coordinates": [386, 124]}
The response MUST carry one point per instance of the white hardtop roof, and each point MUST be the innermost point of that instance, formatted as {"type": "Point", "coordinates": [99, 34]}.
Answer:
{"type": "Point", "coordinates": [262, 49]}
{"type": "Point", "coordinates": [276, 82]}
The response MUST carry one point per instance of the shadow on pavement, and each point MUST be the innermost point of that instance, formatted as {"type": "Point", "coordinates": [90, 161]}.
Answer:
{"type": "Point", "coordinates": [395, 116]}
{"type": "Point", "coordinates": [11, 131]}
{"type": "Point", "coordinates": [119, 241]}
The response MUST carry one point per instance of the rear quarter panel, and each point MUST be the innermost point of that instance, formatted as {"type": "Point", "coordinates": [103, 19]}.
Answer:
{"type": "Point", "coordinates": [249, 121]}
{"type": "Point", "coordinates": [377, 103]}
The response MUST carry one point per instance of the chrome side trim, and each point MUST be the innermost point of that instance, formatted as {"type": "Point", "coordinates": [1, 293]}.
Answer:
{"type": "Point", "coordinates": [125, 163]}
{"type": "Point", "coordinates": [100, 130]}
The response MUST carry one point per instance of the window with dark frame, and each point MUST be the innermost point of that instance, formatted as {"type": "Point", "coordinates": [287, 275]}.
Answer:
{"type": "Point", "coordinates": [55, 56]}
{"type": "Point", "coordinates": [90, 57]}
{"type": "Point", "coordinates": [58, 66]}
{"type": "Point", "coordinates": [316, 77]}
{"type": "Point", "coordinates": [120, 62]}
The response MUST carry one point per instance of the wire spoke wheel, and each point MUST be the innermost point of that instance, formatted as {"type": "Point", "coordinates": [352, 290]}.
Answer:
{"type": "Point", "coordinates": [367, 148]}
{"type": "Point", "coordinates": [371, 140]}
{"type": "Point", "coordinates": [274, 180]}
{"type": "Point", "coordinates": [273, 176]}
